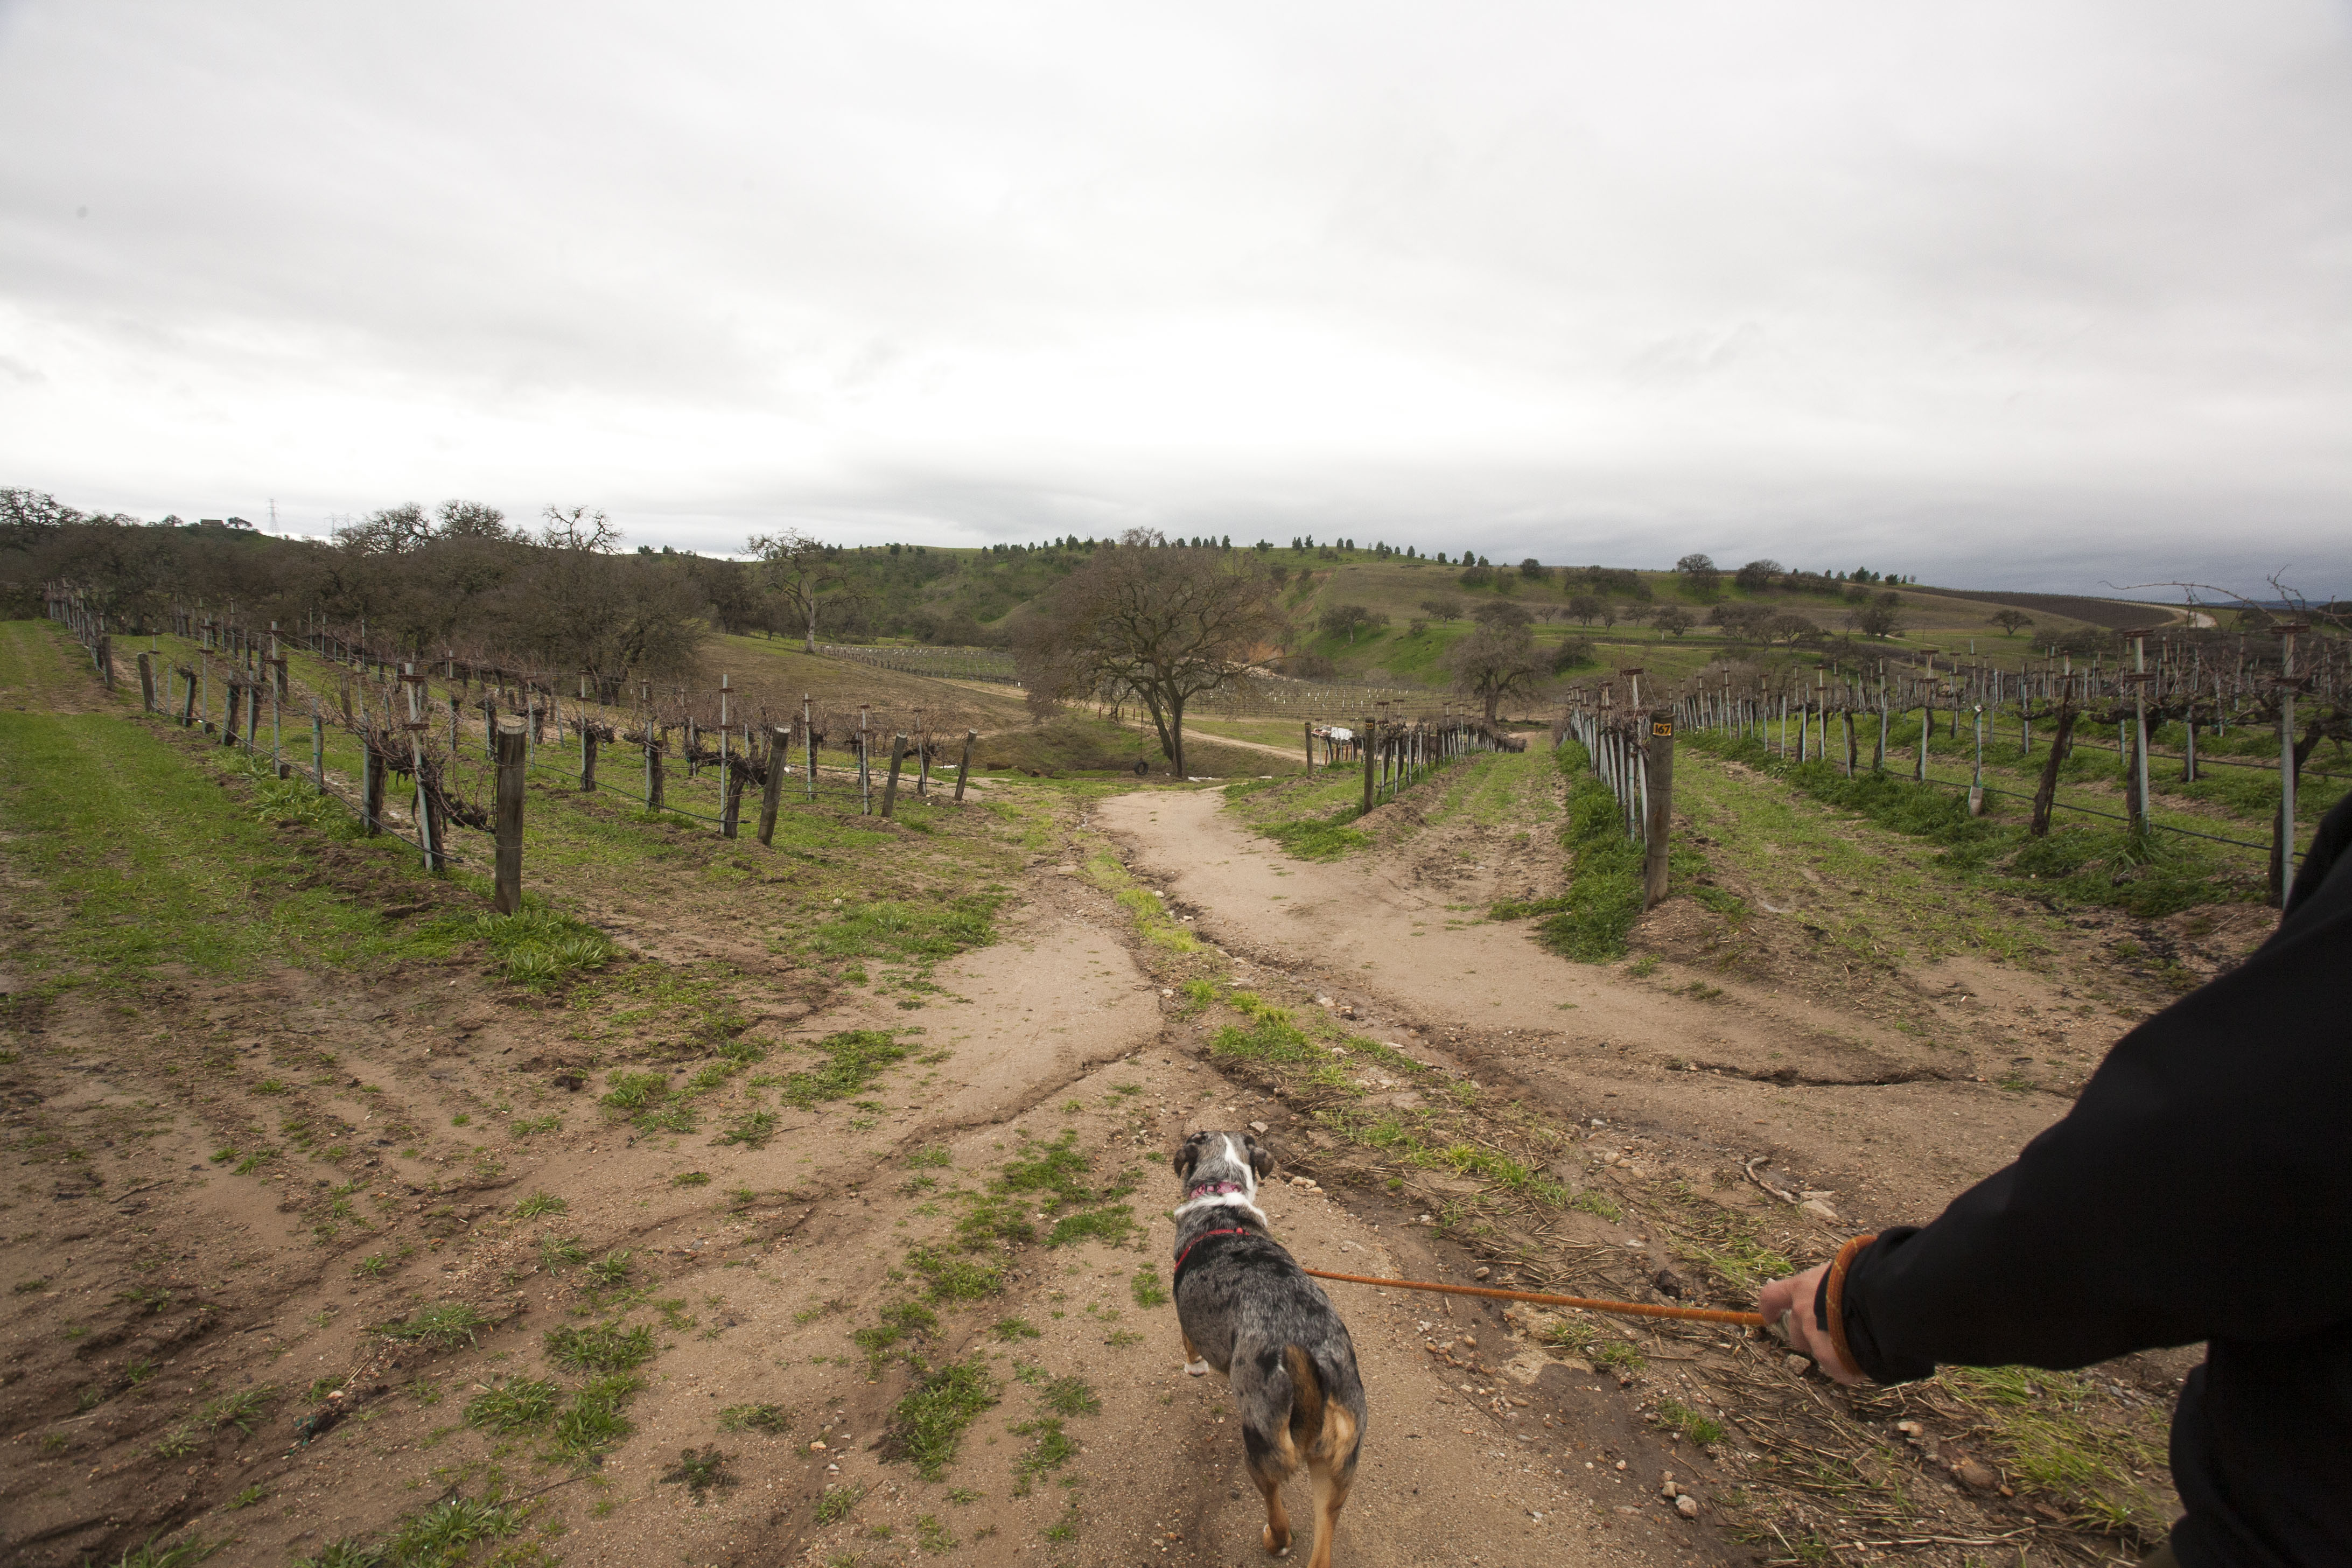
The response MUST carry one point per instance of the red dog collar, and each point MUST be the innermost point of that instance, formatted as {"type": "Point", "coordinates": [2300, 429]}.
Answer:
{"type": "Point", "coordinates": [1178, 1272]}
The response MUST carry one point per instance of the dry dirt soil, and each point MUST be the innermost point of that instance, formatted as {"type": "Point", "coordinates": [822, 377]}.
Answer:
{"type": "Point", "coordinates": [226, 1196]}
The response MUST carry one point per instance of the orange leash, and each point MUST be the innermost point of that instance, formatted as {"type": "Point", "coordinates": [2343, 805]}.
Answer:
{"type": "Point", "coordinates": [1590, 1304]}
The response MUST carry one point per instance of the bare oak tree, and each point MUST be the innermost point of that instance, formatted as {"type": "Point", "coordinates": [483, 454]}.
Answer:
{"type": "Point", "coordinates": [1163, 622]}
{"type": "Point", "coordinates": [1496, 662]}
{"type": "Point", "coordinates": [801, 569]}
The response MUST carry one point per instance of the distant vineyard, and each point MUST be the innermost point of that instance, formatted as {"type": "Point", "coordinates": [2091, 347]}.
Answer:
{"type": "Point", "coordinates": [946, 663]}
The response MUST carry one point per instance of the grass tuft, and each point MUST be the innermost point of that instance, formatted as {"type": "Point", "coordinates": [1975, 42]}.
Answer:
{"type": "Point", "coordinates": [927, 1426]}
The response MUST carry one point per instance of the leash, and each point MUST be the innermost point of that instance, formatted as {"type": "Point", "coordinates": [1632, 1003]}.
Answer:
{"type": "Point", "coordinates": [1590, 1304]}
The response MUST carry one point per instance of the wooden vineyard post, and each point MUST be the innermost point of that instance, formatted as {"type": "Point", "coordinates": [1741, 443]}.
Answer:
{"type": "Point", "coordinates": [106, 660]}
{"type": "Point", "coordinates": [429, 831]}
{"type": "Point", "coordinates": [228, 729]}
{"type": "Point", "coordinates": [2282, 852]}
{"type": "Point", "coordinates": [865, 772]}
{"type": "Point", "coordinates": [730, 790]}
{"type": "Point", "coordinates": [587, 754]}
{"type": "Point", "coordinates": [511, 748]}
{"type": "Point", "coordinates": [963, 768]}
{"type": "Point", "coordinates": [653, 767]}
{"type": "Point", "coordinates": [2045, 793]}
{"type": "Point", "coordinates": [1976, 779]}
{"type": "Point", "coordinates": [891, 788]}
{"type": "Point", "coordinates": [780, 752]}
{"type": "Point", "coordinates": [371, 787]}
{"type": "Point", "coordinates": [1365, 739]}
{"type": "Point", "coordinates": [808, 731]}
{"type": "Point", "coordinates": [1307, 728]}
{"type": "Point", "coordinates": [317, 750]}
{"type": "Point", "coordinates": [188, 707]}
{"type": "Point", "coordinates": [146, 685]}
{"type": "Point", "coordinates": [1660, 803]}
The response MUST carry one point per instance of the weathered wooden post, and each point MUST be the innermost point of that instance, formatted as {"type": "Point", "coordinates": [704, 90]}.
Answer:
{"type": "Point", "coordinates": [963, 768]}
{"type": "Point", "coordinates": [2061, 737]}
{"type": "Point", "coordinates": [587, 754]}
{"type": "Point", "coordinates": [318, 749]}
{"type": "Point", "coordinates": [106, 659]}
{"type": "Point", "coordinates": [771, 795]}
{"type": "Point", "coordinates": [654, 779]}
{"type": "Point", "coordinates": [146, 685]}
{"type": "Point", "coordinates": [1661, 804]}
{"type": "Point", "coordinates": [228, 725]}
{"type": "Point", "coordinates": [371, 787]}
{"type": "Point", "coordinates": [511, 748]}
{"type": "Point", "coordinates": [1367, 738]}
{"type": "Point", "coordinates": [1976, 779]}
{"type": "Point", "coordinates": [891, 788]}
{"type": "Point", "coordinates": [865, 768]}
{"type": "Point", "coordinates": [2283, 857]}
{"type": "Point", "coordinates": [1306, 730]}
{"type": "Point", "coordinates": [730, 790]}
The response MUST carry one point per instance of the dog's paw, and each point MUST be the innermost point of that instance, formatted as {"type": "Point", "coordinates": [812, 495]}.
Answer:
{"type": "Point", "coordinates": [1197, 1368]}
{"type": "Point", "coordinates": [1275, 1546]}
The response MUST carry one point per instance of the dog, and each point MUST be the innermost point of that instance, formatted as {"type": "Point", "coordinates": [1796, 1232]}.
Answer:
{"type": "Point", "coordinates": [1248, 1309]}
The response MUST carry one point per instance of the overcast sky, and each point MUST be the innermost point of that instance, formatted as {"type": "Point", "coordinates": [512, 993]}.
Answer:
{"type": "Point", "coordinates": [2040, 296]}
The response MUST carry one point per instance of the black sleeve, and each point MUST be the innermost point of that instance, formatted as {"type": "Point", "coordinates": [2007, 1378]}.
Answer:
{"type": "Point", "coordinates": [2200, 1188]}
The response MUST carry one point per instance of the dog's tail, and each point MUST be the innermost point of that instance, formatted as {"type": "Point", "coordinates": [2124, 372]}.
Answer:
{"type": "Point", "coordinates": [1306, 1398]}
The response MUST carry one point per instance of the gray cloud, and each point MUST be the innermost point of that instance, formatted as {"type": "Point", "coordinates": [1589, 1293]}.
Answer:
{"type": "Point", "coordinates": [2039, 295]}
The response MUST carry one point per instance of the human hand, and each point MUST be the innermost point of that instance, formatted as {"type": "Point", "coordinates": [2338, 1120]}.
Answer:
{"type": "Point", "coordinates": [1793, 1297]}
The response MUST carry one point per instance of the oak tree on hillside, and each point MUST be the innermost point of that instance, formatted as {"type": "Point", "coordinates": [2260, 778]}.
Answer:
{"type": "Point", "coordinates": [1496, 662]}
{"type": "Point", "coordinates": [2011, 621]}
{"type": "Point", "coordinates": [1164, 622]}
{"type": "Point", "coordinates": [801, 570]}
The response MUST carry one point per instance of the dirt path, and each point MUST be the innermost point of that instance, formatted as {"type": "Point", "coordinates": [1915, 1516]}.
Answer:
{"type": "Point", "coordinates": [1749, 1072]}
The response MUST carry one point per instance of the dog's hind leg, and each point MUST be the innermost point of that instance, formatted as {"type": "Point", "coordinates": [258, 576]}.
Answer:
{"type": "Point", "coordinates": [1194, 1361]}
{"type": "Point", "coordinates": [1268, 1472]}
{"type": "Point", "coordinates": [1332, 1464]}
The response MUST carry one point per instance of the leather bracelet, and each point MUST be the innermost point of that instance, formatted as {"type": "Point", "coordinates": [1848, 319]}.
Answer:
{"type": "Point", "coordinates": [1835, 1285]}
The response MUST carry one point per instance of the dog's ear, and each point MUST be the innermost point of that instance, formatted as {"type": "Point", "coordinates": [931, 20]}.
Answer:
{"type": "Point", "coordinates": [1188, 1153]}
{"type": "Point", "coordinates": [1261, 1158]}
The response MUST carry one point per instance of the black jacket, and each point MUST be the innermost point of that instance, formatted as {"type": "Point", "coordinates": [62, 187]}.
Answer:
{"type": "Point", "coordinates": [2201, 1189]}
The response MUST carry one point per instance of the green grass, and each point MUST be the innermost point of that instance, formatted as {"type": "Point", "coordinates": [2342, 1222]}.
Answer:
{"type": "Point", "coordinates": [955, 1279]}
{"type": "Point", "coordinates": [594, 1424]}
{"type": "Point", "coordinates": [853, 1060]}
{"type": "Point", "coordinates": [519, 1404]}
{"type": "Point", "coordinates": [600, 1347]}
{"type": "Point", "coordinates": [2046, 1431]}
{"type": "Point", "coordinates": [1590, 921]}
{"type": "Point", "coordinates": [905, 932]}
{"type": "Point", "coordinates": [1688, 1424]}
{"type": "Point", "coordinates": [833, 1506]}
{"type": "Point", "coordinates": [144, 863]}
{"type": "Point", "coordinates": [535, 947]}
{"type": "Point", "coordinates": [771, 1419]}
{"type": "Point", "coordinates": [443, 1327]}
{"type": "Point", "coordinates": [181, 1554]}
{"type": "Point", "coordinates": [1145, 1285]}
{"type": "Point", "coordinates": [927, 1426]}
{"type": "Point", "coordinates": [539, 1203]}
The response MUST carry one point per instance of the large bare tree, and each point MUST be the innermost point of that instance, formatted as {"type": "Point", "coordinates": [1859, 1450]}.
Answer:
{"type": "Point", "coordinates": [1496, 662]}
{"type": "Point", "coordinates": [1163, 622]}
{"type": "Point", "coordinates": [802, 568]}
